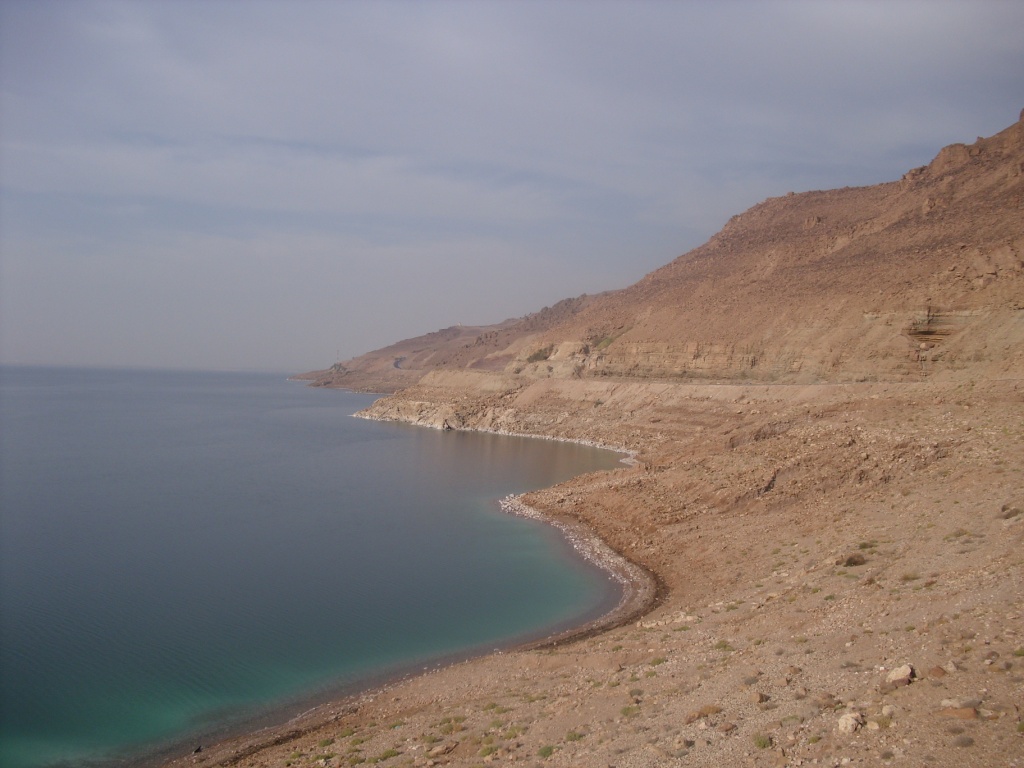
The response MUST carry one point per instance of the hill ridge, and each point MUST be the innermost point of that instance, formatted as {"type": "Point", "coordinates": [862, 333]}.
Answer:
{"type": "Point", "coordinates": [909, 278]}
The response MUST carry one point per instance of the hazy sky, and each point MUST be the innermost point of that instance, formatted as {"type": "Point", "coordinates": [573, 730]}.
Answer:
{"type": "Point", "coordinates": [268, 185]}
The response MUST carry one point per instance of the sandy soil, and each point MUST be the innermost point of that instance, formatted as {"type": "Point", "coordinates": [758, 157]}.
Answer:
{"type": "Point", "coordinates": [810, 541]}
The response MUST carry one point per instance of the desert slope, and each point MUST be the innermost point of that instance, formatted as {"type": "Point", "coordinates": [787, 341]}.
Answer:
{"type": "Point", "coordinates": [903, 281]}
{"type": "Point", "coordinates": [826, 404]}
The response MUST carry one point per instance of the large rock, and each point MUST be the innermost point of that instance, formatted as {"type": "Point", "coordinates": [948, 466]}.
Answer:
{"type": "Point", "coordinates": [850, 722]}
{"type": "Point", "coordinates": [901, 676]}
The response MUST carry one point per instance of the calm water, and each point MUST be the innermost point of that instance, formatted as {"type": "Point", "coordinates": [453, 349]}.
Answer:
{"type": "Point", "coordinates": [185, 551]}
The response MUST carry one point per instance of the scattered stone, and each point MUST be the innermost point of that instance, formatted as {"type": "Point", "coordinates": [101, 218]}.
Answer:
{"type": "Point", "coordinates": [959, 713]}
{"type": "Point", "coordinates": [826, 700]}
{"type": "Point", "coordinates": [937, 672]}
{"type": "Point", "coordinates": [758, 698]}
{"type": "Point", "coordinates": [951, 667]}
{"type": "Point", "coordinates": [850, 722]}
{"type": "Point", "coordinates": [901, 676]}
{"type": "Point", "coordinates": [443, 749]}
{"type": "Point", "coordinates": [960, 703]}
{"type": "Point", "coordinates": [889, 710]}
{"type": "Point", "coordinates": [726, 728]}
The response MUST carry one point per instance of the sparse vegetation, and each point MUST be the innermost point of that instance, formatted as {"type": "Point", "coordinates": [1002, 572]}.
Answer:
{"type": "Point", "coordinates": [541, 354]}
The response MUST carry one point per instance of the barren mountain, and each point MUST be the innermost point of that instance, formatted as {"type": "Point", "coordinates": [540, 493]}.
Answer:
{"type": "Point", "coordinates": [897, 281]}
{"type": "Point", "coordinates": [823, 519]}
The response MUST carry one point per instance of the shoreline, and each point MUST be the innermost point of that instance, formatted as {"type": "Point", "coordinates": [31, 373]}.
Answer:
{"type": "Point", "coordinates": [813, 545]}
{"type": "Point", "coordinates": [641, 591]}
{"type": "Point", "coordinates": [629, 455]}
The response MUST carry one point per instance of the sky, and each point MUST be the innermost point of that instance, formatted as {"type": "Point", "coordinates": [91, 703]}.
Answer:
{"type": "Point", "coordinates": [281, 184]}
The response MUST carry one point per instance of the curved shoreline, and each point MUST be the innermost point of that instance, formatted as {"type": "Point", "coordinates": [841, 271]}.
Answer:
{"type": "Point", "coordinates": [642, 591]}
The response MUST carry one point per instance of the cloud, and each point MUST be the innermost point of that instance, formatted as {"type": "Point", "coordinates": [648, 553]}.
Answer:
{"type": "Point", "coordinates": [470, 160]}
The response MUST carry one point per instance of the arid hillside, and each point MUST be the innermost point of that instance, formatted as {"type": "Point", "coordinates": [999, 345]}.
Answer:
{"type": "Point", "coordinates": [824, 410]}
{"type": "Point", "coordinates": [901, 281]}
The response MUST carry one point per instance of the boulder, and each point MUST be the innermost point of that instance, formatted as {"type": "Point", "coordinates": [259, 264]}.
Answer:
{"type": "Point", "coordinates": [901, 675]}
{"type": "Point", "coordinates": [850, 722]}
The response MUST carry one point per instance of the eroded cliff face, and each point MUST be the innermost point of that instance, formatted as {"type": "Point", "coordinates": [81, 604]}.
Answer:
{"type": "Point", "coordinates": [905, 281]}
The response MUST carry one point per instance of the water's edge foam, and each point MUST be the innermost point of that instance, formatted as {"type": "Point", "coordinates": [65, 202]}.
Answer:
{"type": "Point", "coordinates": [642, 590]}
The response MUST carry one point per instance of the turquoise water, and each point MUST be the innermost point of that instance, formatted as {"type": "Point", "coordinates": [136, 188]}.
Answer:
{"type": "Point", "coordinates": [181, 553]}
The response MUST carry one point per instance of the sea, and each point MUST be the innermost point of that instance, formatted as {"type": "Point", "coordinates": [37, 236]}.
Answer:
{"type": "Point", "coordinates": [185, 555]}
